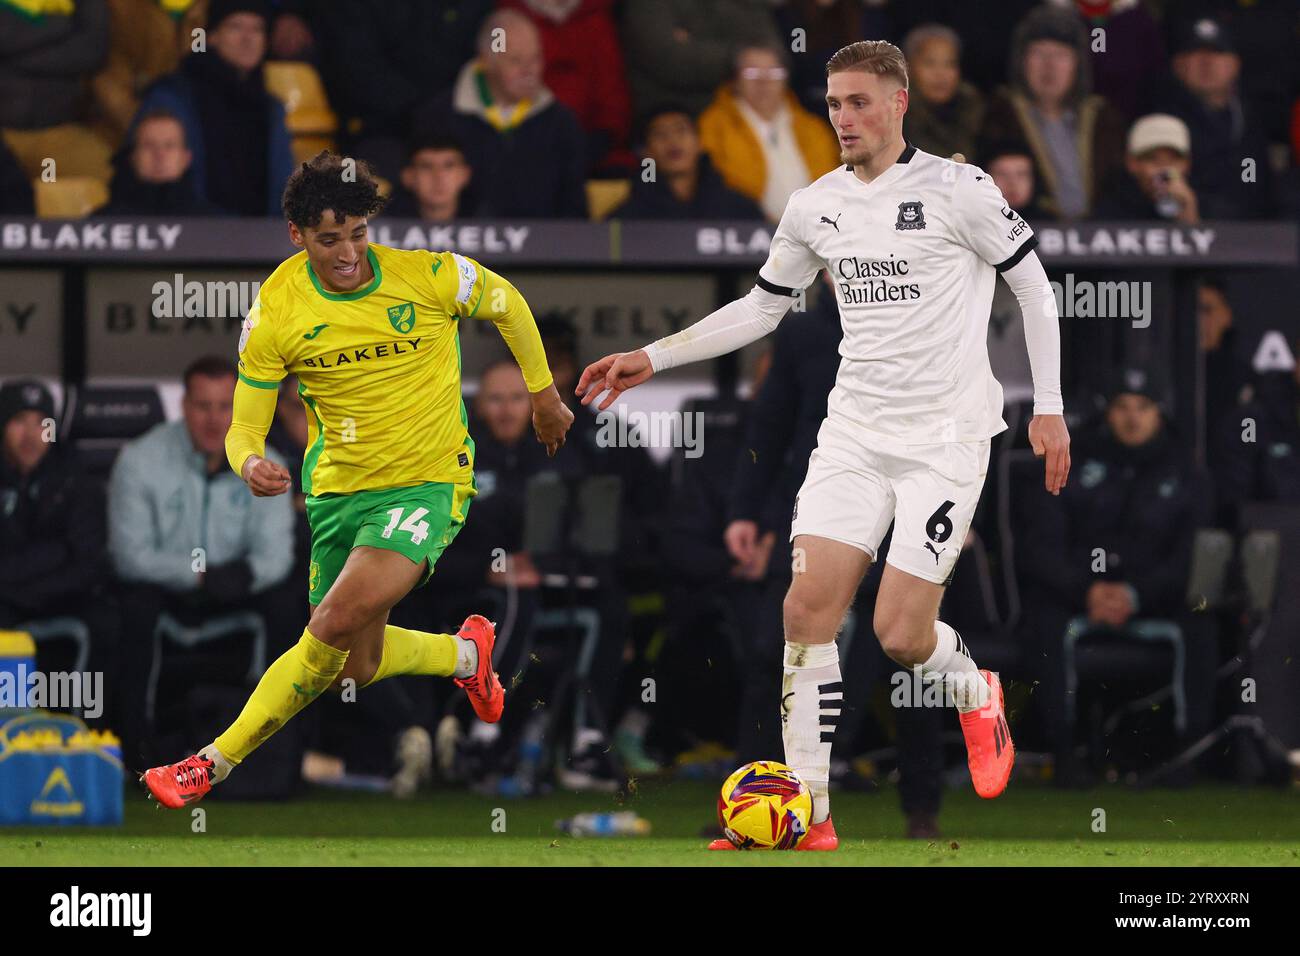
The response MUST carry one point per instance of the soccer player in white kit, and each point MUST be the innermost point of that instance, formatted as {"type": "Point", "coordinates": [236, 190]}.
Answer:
{"type": "Point", "coordinates": [914, 244]}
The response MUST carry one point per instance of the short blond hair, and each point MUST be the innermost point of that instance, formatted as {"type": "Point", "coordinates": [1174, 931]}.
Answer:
{"type": "Point", "coordinates": [870, 56]}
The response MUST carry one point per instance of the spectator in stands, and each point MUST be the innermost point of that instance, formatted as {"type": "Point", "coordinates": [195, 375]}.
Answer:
{"type": "Point", "coordinates": [45, 60]}
{"type": "Point", "coordinates": [16, 198]}
{"type": "Point", "coordinates": [382, 62]}
{"type": "Point", "coordinates": [680, 181]}
{"type": "Point", "coordinates": [154, 176]}
{"type": "Point", "coordinates": [1076, 136]}
{"type": "Point", "coordinates": [1111, 555]}
{"type": "Point", "coordinates": [507, 121]}
{"type": "Point", "coordinates": [188, 540]}
{"type": "Point", "coordinates": [826, 25]}
{"type": "Point", "coordinates": [1154, 183]}
{"type": "Point", "coordinates": [1256, 445]}
{"type": "Point", "coordinates": [944, 113]}
{"type": "Point", "coordinates": [1230, 166]}
{"type": "Point", "coordinates": [584, 69]}
{"type": "Point", "coordinates": [433, 181]}
{"type": "Point", "coordinates": [683, 50]}
{"type": "Point", "coordinates": [1012, 167]}
{"type": "Point", "coordinates": [51, 537]}
{"type": "Point", "coordinates": [1227, 373]}
{"type": "Point", "coordinates": [986, 37]}
{"type": "Point", "coordinates": [234, 128]}
{"type": "Point", "coordinates": [1127, 67]}
{"type": "Point", "coordinates": [291, 33]}
{"type": "Point", "coordinates": [146, 42]}
{"type": "Point", "coordinates": [760, 139]}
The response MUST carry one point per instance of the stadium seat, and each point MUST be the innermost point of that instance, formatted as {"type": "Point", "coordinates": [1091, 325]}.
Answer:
{"type": "Point", "coordinates": [76, 151]}
{"type": "Point", "coordinates": [606, 195]}
{"type": "Point", "coordinates": [70, 197]}
{"type": "Point", "coordinates": [100, 419]}
{"type": "Point", "coordinates": [306, 106]}
{"type": "Point", "coordinates": [307, 146]}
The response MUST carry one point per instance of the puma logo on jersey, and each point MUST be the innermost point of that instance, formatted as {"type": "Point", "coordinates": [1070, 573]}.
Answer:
{"type": "Point", "coordinates": [929, 547]}
{"type": "Point", "coordinates": [316, 331]}
{"type": "Point", "coordinates": [833, 222]}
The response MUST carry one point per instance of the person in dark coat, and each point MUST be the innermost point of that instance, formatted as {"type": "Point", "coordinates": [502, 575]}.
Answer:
{"type": "Point", "coordinates": [382, 62]}
{"type": "Point", "coordinates": [52, 536]}
{"type": "Point", "coordinates": [234, 128]}
{"type": "Point", "coordinates": [1225, 133]}
{"type": "Point", "coordinates": [1256, 445]}
{"type": "Point", "coordinates": [1111, 556]}
{"type": "Point", "coordinates": [16, 198]}
{"type": "Point", "coordinates": [681, 183]}
{"type": "Point", "coordinates": [526, 148]}
{"type": "Point", "coordinates": [154, 176]}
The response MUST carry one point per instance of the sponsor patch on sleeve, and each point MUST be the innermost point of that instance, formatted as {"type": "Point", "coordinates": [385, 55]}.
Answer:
{"type": "Point", "coordinates": [466, 276]}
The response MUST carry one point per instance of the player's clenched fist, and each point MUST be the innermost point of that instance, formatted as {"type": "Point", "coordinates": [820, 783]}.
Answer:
{"type": "Point", "coordinates": [614, 373]}
{"type": "Point", "coordinates": [264, 477]}
{"type": "Point", "coordinates": [551, 419]}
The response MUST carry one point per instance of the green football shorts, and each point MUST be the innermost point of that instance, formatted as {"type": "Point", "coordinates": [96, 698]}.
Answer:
{"type": "Point", "coordinates": [419, 522]}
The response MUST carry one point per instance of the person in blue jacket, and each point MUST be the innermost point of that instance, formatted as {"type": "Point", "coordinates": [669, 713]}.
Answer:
{"type": "Point", "coordinates": [234, 128]}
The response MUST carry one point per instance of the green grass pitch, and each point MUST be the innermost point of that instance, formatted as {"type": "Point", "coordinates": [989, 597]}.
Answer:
{"type": "Point", "coordinates": [1029, 825]}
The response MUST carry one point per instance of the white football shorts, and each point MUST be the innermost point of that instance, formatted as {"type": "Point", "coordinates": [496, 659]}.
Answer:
{"type": "Point", "coordinates": [856, 485]}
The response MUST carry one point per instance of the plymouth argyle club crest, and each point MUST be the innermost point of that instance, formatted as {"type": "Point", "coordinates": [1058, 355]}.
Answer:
{"type": "Point", "coordinates": [910, 216]}
{"type": "Point", "coordinates": [402, 317]}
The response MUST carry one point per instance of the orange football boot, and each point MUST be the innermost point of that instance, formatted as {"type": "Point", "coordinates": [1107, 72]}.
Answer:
{"type": "Point", "coordinates": [989, 751]}
{"type": "Point", "coordinates": [485, 692]}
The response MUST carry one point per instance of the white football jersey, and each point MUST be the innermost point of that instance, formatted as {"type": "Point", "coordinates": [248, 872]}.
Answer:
{"type": "Point", "coordinates": [914, 256]}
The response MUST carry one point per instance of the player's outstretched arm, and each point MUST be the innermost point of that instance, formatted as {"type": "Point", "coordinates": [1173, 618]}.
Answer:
{"type": "Point", "coordinates": [614, 375]}
{"type": "Point", "coordinates": [731, 327]}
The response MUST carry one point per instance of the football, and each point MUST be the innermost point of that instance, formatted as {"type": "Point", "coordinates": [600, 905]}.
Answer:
{"type": "Point", "coordinates": [765, 806]}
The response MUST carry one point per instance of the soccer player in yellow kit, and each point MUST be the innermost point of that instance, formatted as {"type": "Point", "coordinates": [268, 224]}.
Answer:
{"type": "Point", "coordinates": [372, 335]}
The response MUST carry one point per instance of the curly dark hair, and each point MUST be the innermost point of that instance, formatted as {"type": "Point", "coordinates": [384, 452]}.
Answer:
{"type": "Point", "coordinates": [321, 185]}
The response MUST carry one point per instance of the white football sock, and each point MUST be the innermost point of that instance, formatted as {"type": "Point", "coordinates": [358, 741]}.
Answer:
{"type": "Point", "coordinates": [951, 663]}
{"type": "Point", "coordinates": [466, 658]}
{"type": "Point", "coordinates": [221, 766]}
{"type": "Point", "coordinates": [812, 695]}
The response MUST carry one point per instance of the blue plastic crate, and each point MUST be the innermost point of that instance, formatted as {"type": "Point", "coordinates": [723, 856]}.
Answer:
{"type": "Point", "coordinates": [71, 786]}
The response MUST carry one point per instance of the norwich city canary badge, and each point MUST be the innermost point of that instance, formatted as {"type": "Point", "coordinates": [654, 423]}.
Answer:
{"type": "Point", "coordinates": [402, 317]}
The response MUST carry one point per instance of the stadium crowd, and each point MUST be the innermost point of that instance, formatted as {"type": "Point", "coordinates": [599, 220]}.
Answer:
{"type": "Point", "coordinates": [640, 109]}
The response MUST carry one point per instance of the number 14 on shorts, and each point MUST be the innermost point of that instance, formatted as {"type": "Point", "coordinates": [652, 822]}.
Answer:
{"type": "Point", "coordinates": [416, 528]}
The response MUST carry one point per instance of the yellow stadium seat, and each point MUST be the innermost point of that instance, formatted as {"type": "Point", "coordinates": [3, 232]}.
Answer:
{"type": "Point", "coordinates": [75, 149]}
{"type": "Point", "coordinates": [299, 87]}
{"type": "Point", "coordinates": [69, 197]}
{"type": "Point", "coordinates": [306, 147]}
{"type": "Point", "coordinates": [606, 195]}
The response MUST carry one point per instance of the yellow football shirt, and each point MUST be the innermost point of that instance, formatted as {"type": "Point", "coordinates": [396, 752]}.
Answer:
{"type": "Point", "coordinates": [378, 368]}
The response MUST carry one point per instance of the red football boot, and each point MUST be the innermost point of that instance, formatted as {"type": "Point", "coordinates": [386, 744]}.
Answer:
{"type": "Point", "coordinates": [821, 836]}
{"type": "Point", "coordinates": [989, 751]}
{"type": "Point", "coordinates": [486, 694]}
{"type": "Point", "coordinates": [179, 784]}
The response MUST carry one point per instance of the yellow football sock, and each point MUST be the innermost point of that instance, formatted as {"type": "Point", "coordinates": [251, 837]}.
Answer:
{"type": "Point", "coordinates": [415, 652]}
{"type": "Point", "coordinates": [293, 681]}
